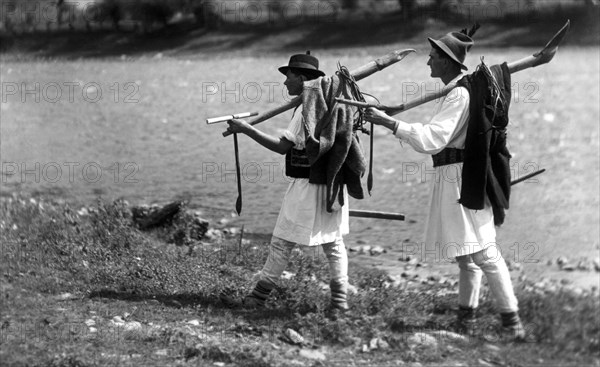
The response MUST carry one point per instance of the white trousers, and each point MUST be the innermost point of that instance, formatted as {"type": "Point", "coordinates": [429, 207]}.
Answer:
{"type": "Point", "coordinates": [490, 262]}
{"type": "Point", "coordinates": [281, 250]}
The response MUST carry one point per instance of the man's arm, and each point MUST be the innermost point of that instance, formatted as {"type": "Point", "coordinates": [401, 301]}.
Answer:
{"type": "Point", "coordinates": [278, 145]}
{"type": "Point", "coordinates": [434, 136]}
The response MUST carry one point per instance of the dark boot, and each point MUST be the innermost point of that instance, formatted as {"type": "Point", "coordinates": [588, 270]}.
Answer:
{"type": "Point", "coordinates": [259, 294]}
{"type": "Point", "coordinates": [256, 299]}
{"type": "Point", "coordinates": [512, 327]}
{"type": "Point", "coordinates": [466, 320]}
{"type": "Point", "coordinates": [339, 292]}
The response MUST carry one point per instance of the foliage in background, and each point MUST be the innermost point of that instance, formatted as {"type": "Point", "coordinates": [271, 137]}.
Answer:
{"type": "Point", "coordinates": [20, 16]}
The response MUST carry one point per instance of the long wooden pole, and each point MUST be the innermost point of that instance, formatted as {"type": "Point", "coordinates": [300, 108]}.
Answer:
{"type": "Point", "coordinates": [375, 214]}
{"type": "Point", "coordinates": [358, 73]}
{"type": "Point", "coordinates": [539, 58]}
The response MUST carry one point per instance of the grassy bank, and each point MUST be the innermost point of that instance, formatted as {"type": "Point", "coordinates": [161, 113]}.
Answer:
{"type": "Point", "coordinates": [85, 287]}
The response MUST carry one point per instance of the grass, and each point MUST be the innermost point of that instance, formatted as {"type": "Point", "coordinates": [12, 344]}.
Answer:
{"type": "Point", "coordinates": [63, 273]}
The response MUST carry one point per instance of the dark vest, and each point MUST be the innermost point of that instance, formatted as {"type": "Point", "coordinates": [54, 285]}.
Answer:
{"type": "Point", "coordinates": [486, 167]}
{"type": "Point", "coordinates": [296, 164]}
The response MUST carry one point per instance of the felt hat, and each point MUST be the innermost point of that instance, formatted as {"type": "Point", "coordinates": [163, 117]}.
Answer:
{"type": "Point", "coordinates": [305, 62]}
{"type": "Point", "coordinates": [455, 45]}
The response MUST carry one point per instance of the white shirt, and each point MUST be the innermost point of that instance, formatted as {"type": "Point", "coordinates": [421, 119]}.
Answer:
{"type": "Point", "coordinates": [303, 218]}
{"type": "Point", "coordinates": [452, 229]}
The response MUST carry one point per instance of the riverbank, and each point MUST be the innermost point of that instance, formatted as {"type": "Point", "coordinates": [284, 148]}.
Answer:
{"type": "Point", "coordinates": [87, 287]}
{"type": "Point", "coordinates": [185, 39]}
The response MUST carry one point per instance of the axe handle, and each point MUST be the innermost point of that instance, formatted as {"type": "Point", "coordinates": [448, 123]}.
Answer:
{"type": "Point", "coordinates": [375, 214]}
{"type": "Point", "coordinates": [214, 120]}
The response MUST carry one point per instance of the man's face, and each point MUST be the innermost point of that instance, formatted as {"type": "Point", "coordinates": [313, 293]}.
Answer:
{"type": "Point", "coordinates": [437, 62]}
{"type": "Point", "coordinates": [293, 82]}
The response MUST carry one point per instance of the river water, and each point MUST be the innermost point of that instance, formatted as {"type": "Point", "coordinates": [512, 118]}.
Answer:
{"type": "Point", "coordinates": [135, 129]}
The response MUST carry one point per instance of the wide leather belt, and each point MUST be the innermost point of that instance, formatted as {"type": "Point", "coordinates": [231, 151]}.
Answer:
{"type": "Point", "coordinates": [448, 156]}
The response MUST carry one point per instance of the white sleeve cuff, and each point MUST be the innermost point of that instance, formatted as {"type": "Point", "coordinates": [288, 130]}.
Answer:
{"type": "Point", "coordinates": [402, 130]}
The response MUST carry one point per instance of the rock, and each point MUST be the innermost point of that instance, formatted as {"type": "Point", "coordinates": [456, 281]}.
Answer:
{"type": "Point", "coordinates": [293, 336]}
{"type": "Point", "coordinates": [93, 329]}
{"type": "Point", "coordinates": [483, 362]}
{"type": "Point", "coordinates": [584, 265]}
{"type": "Point", "coordinates": [576, 291]}
{"type": "Point", "coordinates": [287, 275]}
{"type": "Point", "coordinates": [312, 354]}
{"type": "Point", "coordinates": [565, 281]}
{"type": "Point", "coordinates": [352, 289]}
{"type": "Point", "coordinates": [194, 322]}
{"type": "Point", "coordinates": [365, 348]}
{"type": "Point", "coordinates": [492, 348]}
{"type": "Point", "coordinates": [65, 297]}
{"type": "Point", "coordinates": [132, 329]}
{"type": "Point", "coordinates": [434, 278]}
{"type": "Point", "coordinates": [382, 344]}
{"type": "Point", "coordinates": [213, 234]}
{"type": "Point", "coordinates": [449, 336]}
{"type": "Point", "coordinates": [290, 353]}
{"type": "Point", "coordinates": [568, 267]}
{"type": "Point", "coordinates": [161, 352]}
{"type": "Point", "coordinates": [421, 339]}
{"type": "Point", "coordinates": [373, 344]}
{"type": "Point", "coordinates": [412, 260]}
{"type": "Point", "coordinates": [561, 260]}
{"type": "Point", "coordinates": [232, 231]}
{"type": "Point", "coordinates": [377, 250]}
{"type": "Point", "coordinates": [90, 322]}
{"type": "Point", "coordinates": [361, 242]}
{"type": "Point", "coordinates": [597, 264]}
{"type": "Point", "coordinates": [118, 320]}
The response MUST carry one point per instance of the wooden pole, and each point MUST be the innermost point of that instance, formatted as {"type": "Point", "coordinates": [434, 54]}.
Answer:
{"type": "Point", "coordinates": [358, 73]}
{"type": "Point", "coordinates": [539, 58]}
{"type": "Point", "coordinates": [374, 214]}
{"type": "Point", "coordinates": [243, 115]}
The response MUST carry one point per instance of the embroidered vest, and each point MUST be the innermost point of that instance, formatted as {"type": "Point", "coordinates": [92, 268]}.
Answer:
{"type": "Point", "coordinates": [296, 164]}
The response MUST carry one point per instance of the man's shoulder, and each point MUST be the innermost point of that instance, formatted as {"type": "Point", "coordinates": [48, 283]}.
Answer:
{"type": "Point", "coordinates": [457, 94]}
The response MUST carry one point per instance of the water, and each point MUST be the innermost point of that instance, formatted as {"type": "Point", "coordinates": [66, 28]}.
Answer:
{"type": "Point", "coordinates": [146, 141]}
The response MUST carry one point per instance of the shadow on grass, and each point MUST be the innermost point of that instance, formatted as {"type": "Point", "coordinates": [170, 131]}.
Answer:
{"type": "Point", "coordinates": [191, 300]}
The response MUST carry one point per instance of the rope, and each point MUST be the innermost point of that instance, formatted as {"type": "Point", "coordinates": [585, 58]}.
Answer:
{"type": "Point", "coordinates": [357, 95]}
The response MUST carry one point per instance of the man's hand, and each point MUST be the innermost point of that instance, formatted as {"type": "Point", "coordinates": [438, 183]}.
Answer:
{"type": "Point", "coordinates": [379, 117]}
{"type": "Point", "coordinates": [238, 126]}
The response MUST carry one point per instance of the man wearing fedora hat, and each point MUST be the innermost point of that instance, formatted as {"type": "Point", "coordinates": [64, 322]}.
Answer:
{"type": "Point", "coordinates": [453, 228]}
{"type": "Point", "coordinates": [303, 218]}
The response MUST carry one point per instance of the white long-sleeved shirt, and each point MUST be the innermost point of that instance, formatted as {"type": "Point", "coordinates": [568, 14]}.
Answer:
{"type": "Point", "coordinates": [446, 129]}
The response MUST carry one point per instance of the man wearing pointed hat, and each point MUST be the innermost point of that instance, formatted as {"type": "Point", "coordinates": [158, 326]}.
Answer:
{"type": "Point", "coordinates": [452, 228]}
{"type": "Point", "coordinates": [303, 218]}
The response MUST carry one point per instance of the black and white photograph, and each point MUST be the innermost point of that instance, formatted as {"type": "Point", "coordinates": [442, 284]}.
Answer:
{"type": "Point", "coordinates": [281, 183]}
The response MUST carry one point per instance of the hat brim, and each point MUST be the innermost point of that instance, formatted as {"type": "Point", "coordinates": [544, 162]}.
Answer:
{"type": "Point", "coordinates": [441, 46]}
{"type": "Point", "coordinates": [284, 69]}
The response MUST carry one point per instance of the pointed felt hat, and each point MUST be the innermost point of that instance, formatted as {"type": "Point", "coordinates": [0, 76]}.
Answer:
{"type": "Point", "coordinates": [305, 62]}
{"type": "Point", "coordinates": [455, 45]}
